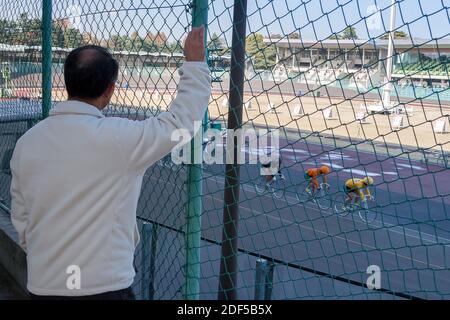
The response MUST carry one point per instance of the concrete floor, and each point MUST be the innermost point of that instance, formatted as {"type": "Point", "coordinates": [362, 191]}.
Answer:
{"type": "Point", "coordinates": [9, 290]}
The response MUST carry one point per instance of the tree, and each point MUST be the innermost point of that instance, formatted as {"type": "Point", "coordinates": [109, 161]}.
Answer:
{"type": "Point", "coordinates": [6, 31]}
{"type": "Point", "coordinates": [121, 43]}
{"type": "Point", "coordinates": [176, 46]}
{"type": "Point", "coordinates": [149, 45]}
{"type": "Point", "coordinates": [136, 43]}
{"type": "Point", "coordinates": [349, 33]}
{"type": "Point", "coordinates": [57, 36]}
{"type": "Point", "coordinates": [155, 42]}
{"type": "Point", "coordinates": [334, 37]}
{"type": "Point", "coordinates": [294, 35]}
{"type": "Point", "coordinates": [72, 38]}
{"type": "Point", "coordinates": [134, 35]}
{"type": "Point", "coordinates": [160, 39]}
{"type": "Point", "coordinates": [275, 36]}
{"type": "Point", "coordinates": [397, 35]}
{"type": "Point", "coordinates": [263, 55]}
{"type": "Point", "coordinates": [216, 42]}
{"type": "Point", "coordinates": [21, 27]}
{"type": "Point", "coordinates": [24, 31]}
{"type": "Point", "coordinates": [32, 32]}
{"type": "Point", "coordinates": [89, 38]}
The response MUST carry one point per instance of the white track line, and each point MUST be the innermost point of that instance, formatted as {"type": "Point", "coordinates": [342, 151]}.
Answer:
{"type": "Point", "coordinates": [318, 230]}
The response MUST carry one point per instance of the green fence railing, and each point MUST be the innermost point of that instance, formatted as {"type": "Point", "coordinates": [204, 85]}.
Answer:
{"type": "Point", "coordinates": [358, 87]}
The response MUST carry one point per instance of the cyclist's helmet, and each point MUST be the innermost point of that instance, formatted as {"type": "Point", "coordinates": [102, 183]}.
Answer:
{"type": "Point", "coordinates": [324, 170]}
{"type": "Point", "coordinates": [368, 181]}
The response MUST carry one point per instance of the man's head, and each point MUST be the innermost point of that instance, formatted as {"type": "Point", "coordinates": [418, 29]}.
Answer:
{"type": "Point", "coordinates": [90, 73]}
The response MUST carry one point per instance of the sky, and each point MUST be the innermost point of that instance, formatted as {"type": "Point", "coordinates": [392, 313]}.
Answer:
{"type": "Point", "coordinates": [313, 19]}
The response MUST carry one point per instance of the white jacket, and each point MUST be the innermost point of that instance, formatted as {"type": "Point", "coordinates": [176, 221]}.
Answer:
{"type": "Point", "coordinates": [76, 180]}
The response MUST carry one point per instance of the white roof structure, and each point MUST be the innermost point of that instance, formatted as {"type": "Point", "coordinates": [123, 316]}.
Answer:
{"type": "Point", "coordinates": [443, 43]}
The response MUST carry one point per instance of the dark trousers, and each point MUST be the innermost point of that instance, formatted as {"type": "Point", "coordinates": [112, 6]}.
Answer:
{"type": "Point", "coordinates": [124, 294]}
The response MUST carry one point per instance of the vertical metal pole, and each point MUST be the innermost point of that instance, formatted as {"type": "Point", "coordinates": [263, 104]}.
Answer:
{"type": "Point", "coordinates": [46, 57]}
{"type": "Point", "coordinates": [145, 272]}
{"type": "Point", "coordinates": [389, 60]}
{"type": "Point", "coordinates": [263, 279]}
{"type": "Point", "coordinates": [228, 262]}
{"type": "Point", "coordinates": [148, 260]}
{"type": "Point", "coordinates": [194, 186]}
{"type": "Point", "coordinates": [152, 269]}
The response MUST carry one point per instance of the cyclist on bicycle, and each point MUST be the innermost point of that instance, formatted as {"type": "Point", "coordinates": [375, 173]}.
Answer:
{"type": "Point", "coordinates": [356, 187]}
{"type": "Point", "coordinates": [311, 175]}
{"type": "Point", "coordinates": [271, 177]}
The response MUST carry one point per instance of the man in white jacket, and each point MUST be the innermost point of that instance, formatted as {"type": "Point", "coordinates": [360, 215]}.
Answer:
{"type": "Point", "coordinates": [76, 177]}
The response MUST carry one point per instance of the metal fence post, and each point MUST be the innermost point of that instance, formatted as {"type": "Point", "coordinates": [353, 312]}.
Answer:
{"type": "Point", "coordinates": [263, 279]}
{"type": "Point", "coordinates": [46, 57]}
{"type": "Point", "coordinates": [148, 259]}
{"type": "Point", "coordinates": [145, 269]}
{"type": "Point", "coordinates": [228, 261]}
{"type": "Point", "coordinates": [152, 269]}
{"type": "Point", "coordinates": [194, 185]}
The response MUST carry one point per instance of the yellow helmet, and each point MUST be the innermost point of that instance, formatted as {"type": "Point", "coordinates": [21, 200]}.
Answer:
{"type": "Point", "coordinates": [368, 181]}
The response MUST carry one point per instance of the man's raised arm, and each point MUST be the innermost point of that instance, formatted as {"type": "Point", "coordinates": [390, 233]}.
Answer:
{"type": "Point", "coordinates": [145, 142]}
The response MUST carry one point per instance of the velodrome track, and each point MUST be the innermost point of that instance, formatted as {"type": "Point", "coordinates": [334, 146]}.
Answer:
{"type": "Point", "coordinates": [409, 241]}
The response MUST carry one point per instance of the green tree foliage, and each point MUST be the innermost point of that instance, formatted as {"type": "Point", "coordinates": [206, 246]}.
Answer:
{"type": "Point", "coordinates": [334, 37]}
{"type": "Point", "coordinates": [176, 46]}
{"type": "Point", "coordinates": [24, 31]}
{"type": "Point", "coordinates": [72, 38]}
{"type": "Point", "coordinates": [57, 35]}
{"type": "Point", "coordinates": [263, 55]}
{"type": "Point", "coordinates": [7, 29]}
{"type": "Point", "coordinates": [27, 31]}
{"type": "Point", "coordinates": [150, 43]}
{"type": "Point", "coordinates": [397, 35]}
{"type": "Point", "coordinates": [216, 43]}
{"type": "Point", "coordinates": [121, 43]}
{"type": "Point", "coordinates": [349, 33]}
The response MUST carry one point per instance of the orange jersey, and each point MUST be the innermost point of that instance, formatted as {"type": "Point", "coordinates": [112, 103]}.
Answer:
{"type": "Point", "coordinates": [313, 172]}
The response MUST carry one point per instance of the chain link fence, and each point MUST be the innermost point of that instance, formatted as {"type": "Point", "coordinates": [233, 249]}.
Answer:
{"type": "Point", "coordinates": [344, 86]}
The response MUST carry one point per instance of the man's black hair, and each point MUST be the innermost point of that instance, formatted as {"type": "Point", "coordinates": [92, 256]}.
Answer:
{"type": "Point", "coordinates": [88, 71]}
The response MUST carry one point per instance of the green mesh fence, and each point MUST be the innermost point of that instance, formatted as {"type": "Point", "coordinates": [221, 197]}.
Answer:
{"type": "Point", "coordinates": [340, 92]}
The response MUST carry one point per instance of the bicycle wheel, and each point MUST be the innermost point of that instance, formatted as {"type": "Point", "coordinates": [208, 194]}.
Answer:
{"type": "Point", "coordinates": [340, 207]}
{"type": "Point", "coordinates": [260, 186]}
{"type": "Point", "coordinates": [323, 198]}
{"type": "Point", "coordinates": [279, 187]}
{"type": "Point", "coordinates": [302, 195]}
{"type": "Point", "coordinates": [368, 211]}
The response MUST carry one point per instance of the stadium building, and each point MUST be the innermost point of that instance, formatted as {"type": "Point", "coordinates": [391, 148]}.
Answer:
{"type": "Point", "coordinates": [418, 62]}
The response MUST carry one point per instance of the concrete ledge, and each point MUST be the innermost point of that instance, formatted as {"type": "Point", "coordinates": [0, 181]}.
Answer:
{"type": "Point", "coordinates": [12, 257]}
